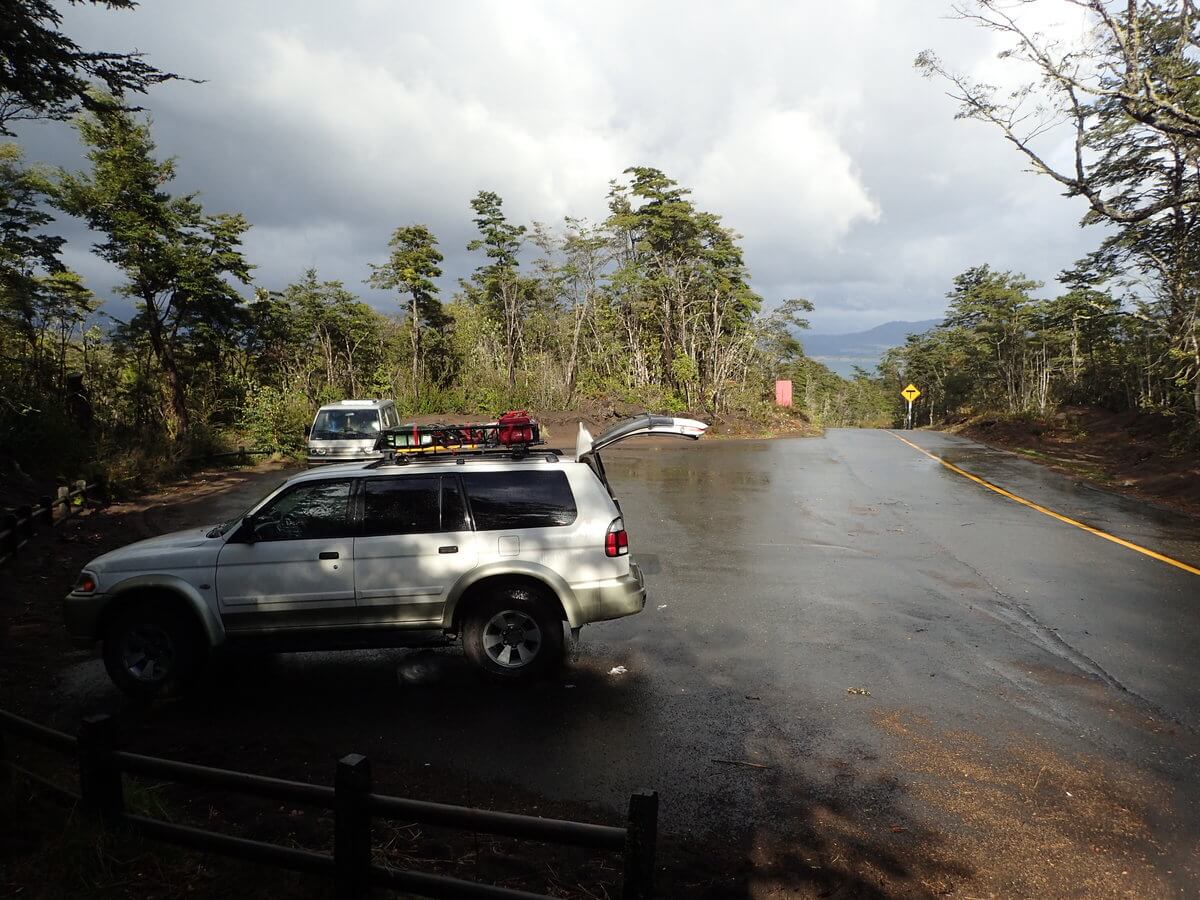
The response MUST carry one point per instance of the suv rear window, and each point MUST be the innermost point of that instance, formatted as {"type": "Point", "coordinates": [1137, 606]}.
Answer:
{"type": "Point", "coordinates": [501, 500]}
{"type": "Point", "coordinates": [412, 504]}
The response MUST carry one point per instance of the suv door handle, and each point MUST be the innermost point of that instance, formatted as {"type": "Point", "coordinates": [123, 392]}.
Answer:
{"type": "Point", "coordinates": [329, 554]}
{"type": "Point", "coordinates": [448, 549]}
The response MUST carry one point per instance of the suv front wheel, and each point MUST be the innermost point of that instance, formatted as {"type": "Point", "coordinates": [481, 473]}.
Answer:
{"type": "Point", "coordinates": [151, 652]}
{"type": "Point", "coordinates": [513, 634]}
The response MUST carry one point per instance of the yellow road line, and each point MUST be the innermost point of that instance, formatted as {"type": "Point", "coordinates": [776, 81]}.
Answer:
{"type": "Point", "coordinates": [1145, 551]}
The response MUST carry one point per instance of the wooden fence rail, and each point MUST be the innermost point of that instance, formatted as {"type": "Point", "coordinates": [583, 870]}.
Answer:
{"type": "Point", "coordinates": [102, 765]}
{"type": "Point", "coordinates": [241, 454]}
{"type": "Point", "coordinates": [18, 527]}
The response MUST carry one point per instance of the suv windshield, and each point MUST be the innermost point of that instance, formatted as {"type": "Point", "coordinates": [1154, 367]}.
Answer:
{"type": "Point", "coordinates": [346, 424]}
{"type": "Point", "coordinates": [219, 530]}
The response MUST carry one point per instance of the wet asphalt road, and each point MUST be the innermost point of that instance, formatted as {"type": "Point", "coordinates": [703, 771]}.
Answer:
{"type": "Point", "coordinates": [1032, 696]}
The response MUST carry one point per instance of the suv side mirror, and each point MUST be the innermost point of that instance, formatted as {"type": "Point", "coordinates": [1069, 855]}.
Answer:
{"type": "Point", "coordinates": [247, 532]}
{"type": "Point", "coordinates": [308, 431]}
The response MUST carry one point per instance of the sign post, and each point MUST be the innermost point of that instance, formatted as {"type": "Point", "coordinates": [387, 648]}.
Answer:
{"type": "Point", "coordinates": [910, 393]}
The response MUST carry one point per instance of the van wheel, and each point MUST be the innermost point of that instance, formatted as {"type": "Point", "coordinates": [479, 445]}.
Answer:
{"type": "Point", "coordinates": [151, 652]}
{"type": "Point", "coordinates": [513, 634]}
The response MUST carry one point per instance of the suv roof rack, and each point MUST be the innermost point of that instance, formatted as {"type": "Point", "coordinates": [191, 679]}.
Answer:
{"type": "Point", "coordinates": [512, 434]}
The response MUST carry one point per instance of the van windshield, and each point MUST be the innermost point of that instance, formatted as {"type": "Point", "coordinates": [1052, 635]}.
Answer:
{"type": "Point", "coordinates": [346, 424]}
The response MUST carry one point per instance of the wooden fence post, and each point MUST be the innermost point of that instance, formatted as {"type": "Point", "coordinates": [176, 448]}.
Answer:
{"type": "Point", "coordinates": [352, 827]}
{"type": "Point", "coordinates": [9, 539]}
{"type": "Point", "coordinates": [6, 778]}
{"type": "Point", "coordinates": [641, 836]}
{"type": "Point", "coordinates": [24, 523]}
{"type": "Point", "coordinates": [100, 783]}
{"type": "Point", "coordinates": [47, 514]}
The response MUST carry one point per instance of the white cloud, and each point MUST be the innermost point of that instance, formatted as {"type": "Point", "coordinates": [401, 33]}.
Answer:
{"type": "Point", "coordinates": [784, 175]}
{"type": "Point", "coordinates": [803, 125]}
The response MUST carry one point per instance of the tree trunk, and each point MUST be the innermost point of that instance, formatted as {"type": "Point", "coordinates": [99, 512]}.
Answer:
{"type": "Point", "coordinates": [414, 315]}
{"type": "Point", "coordinates": [1196, 380]}
{"type": "Point", "coordinates": [166, 359]}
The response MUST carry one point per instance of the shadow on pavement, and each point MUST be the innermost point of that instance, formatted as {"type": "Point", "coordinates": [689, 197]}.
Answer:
{"type": "Point", "coordinates": [745, 811]}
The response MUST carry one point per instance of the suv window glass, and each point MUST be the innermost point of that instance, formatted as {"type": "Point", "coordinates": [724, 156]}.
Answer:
{"type": "Point", "coordinates": [454, 508]}
{"type": "Point", "coordinates": [309, 511]}
{"type": "Point", "coordinates": [401, 505]}
{"type": "Point", "coordinates": [519, 499]}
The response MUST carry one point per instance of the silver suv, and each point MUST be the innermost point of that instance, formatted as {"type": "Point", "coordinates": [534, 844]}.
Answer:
{"type": "Point", "coordinates": [499, 549]}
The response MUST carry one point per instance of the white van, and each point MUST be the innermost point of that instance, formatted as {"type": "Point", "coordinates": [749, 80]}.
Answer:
{"type": "Point", "coordinates": [347, 431]}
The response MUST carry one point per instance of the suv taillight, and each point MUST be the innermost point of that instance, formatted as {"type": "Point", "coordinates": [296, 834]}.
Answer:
{"type": "Point", "coordinates": [616, 542]}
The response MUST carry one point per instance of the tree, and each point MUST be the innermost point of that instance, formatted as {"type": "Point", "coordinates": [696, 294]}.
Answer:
{"type": "Point", "coordinates": [1128, 96]}
{"type": "Point", "coordinates": [38, 295]}
{"type": "Point", "coordinates": [411, 268]}
{"type": "Point", "coordinates": [315, 337]}
{"type": "Point", "coordinates": [177, 259]}
{"type": "Point", "coordinates": [661, 233]}
{"type": "Point", "coordinates": [498, 280]}
{"type": "Point", "coordinates": [996, 309]}
{"type": "Point", "coordinates": [588, 251]}
{"type": "Point", "coordinates": [46, 75]}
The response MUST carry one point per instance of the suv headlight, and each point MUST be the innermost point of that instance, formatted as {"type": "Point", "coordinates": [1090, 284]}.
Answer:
{"type": "Point", "coordinates": [86, 583]}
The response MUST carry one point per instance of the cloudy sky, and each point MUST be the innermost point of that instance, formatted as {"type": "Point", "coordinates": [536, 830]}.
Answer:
{"type": "Point", "coordinates": [804, 125]}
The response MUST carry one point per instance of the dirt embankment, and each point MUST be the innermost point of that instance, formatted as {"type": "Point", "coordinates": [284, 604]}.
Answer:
{"type": "Point", "coordinates": [1132, 453]}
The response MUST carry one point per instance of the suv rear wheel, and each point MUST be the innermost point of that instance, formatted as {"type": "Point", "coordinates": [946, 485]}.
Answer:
{"type": "Point", "coordinates": [151, 652]}
{"type": "Point", "coordinates": [513, 634]}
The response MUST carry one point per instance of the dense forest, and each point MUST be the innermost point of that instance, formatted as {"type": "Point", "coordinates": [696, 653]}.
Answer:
{"type": "Point", "coordinates": [1122, 331]}
{"type": "Point", "coordinates": [1001, 349]}
{"type": "Point", "coordinates": [651, 306]}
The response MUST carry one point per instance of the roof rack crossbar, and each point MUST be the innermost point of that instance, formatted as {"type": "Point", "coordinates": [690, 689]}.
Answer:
{"type": "Point", "coordinates": [514, 434]}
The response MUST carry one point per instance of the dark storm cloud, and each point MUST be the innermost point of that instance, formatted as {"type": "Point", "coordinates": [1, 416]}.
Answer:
{"type": "Point", "coordinates": [806, 128]}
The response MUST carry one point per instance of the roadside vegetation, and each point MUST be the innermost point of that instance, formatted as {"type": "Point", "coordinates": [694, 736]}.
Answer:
{"type": "Point", "coordinates": [1121, 331]}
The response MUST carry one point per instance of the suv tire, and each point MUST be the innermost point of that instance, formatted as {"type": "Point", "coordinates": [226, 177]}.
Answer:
{"type": "Point", "coordinates": [151, 652]}
{"type": "Point", "coordinates": [513, 634]}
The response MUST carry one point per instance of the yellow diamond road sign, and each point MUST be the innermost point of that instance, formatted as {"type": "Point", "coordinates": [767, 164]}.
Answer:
{"type": "Point", "coordinates": [910, 393]}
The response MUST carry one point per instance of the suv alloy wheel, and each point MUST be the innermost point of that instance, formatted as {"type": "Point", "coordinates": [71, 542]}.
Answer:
{"type": "Point", "coordinates": [151, 652]}
{"type": "Point", "coordinates": [513, 634]}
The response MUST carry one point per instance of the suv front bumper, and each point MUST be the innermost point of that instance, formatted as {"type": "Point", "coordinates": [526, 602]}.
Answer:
{"type": "Point", "coordinates": [81, 612]}
{"type": "Point", "coordinates": [622, 596]}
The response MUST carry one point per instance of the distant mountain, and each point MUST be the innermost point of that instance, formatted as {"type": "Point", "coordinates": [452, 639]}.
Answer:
{"type": "Point", "coordinates": [842, 352]}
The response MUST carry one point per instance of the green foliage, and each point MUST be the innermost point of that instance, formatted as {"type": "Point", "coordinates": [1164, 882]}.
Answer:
{"type": "Point", "coordinates": [411, 268]}
{"type": "Point", "coordinates": [179, 262]}
{"type": "Point", "coordinates": [1000, 350]}
{"type": "Point", "coordinates": [831, 401]}
{"type": "Point", "coordinates": [275, 420]}
{"type": "Point", "coordinates": [46, 75]}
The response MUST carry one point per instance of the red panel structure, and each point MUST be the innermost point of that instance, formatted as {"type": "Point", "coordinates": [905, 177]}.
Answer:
{"type": "Point", "coordinates": [783, 393]}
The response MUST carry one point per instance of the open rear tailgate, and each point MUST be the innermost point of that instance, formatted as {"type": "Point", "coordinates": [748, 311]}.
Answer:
{"type": "Point", "coordinates": [587, 448]}
{"type": "Point", "coordinates": [638, 426]}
